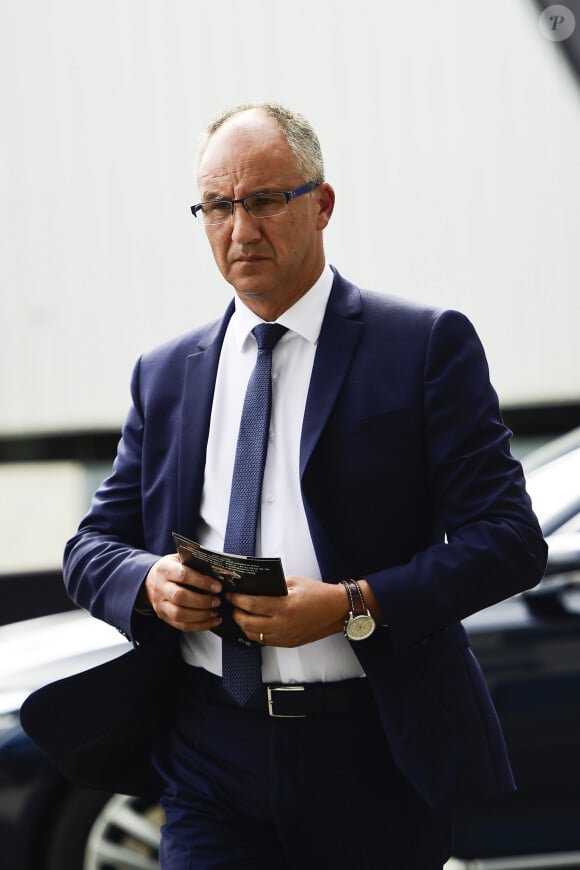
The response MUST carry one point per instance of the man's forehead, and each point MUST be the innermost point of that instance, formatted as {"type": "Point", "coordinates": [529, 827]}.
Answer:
{"type": "Point", "coordinates": [245, 149]}
{"type": "Point", "coordinates": [242, 130]}
{"type": "Point", "coordinates": [221, 175]}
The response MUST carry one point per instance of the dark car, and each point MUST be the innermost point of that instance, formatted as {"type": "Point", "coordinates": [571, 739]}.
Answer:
{"type": "Point", "coordinates": [529, 648]}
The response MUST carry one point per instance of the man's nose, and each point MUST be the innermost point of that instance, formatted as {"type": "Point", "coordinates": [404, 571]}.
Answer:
{"type": "Point", "coordinates": [245, 228]}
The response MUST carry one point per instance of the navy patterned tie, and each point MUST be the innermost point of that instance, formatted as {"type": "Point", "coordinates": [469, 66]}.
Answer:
{"type": "Point", "coordinates": [242, 674]}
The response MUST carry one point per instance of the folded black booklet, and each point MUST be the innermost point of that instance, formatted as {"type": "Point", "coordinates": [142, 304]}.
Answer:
{"type": "Point", "coordinates": [248, 574]}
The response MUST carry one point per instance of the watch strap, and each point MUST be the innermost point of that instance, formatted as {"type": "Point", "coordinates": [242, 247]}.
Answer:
{"type": "Point", "coordinates": [355, 597]}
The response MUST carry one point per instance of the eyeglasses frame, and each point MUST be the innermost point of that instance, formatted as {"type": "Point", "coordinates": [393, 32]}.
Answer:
{"type": "Point", "coordinates": [288, 195]}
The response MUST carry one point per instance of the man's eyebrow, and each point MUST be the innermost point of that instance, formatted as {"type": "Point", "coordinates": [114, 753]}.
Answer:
{"type": "Point", "coordinates": [215, 197]}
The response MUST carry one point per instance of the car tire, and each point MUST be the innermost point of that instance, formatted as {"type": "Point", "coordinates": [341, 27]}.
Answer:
{"type": "Point", "coordinates": [96, 830]}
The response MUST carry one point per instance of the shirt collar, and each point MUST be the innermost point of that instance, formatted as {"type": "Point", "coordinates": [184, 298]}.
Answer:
{"type": "Point", "coordinates": [304, 317]}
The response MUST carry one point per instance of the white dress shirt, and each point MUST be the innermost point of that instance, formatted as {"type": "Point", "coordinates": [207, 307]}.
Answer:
{"type": "Point", "coordinates": [282, 528]}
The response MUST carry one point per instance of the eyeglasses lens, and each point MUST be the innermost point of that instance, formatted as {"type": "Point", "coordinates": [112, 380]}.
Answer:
{"type": "Point", "coordinates": [259, 206]}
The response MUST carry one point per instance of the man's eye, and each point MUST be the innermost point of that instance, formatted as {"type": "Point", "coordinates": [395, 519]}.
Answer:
{"type": "Point", "coordinates": [263, 200]}
{"type": "Point", "coordinates": [219, 205]}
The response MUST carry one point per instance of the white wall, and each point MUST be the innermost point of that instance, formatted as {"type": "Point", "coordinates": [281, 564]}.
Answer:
{"type": "Point", "coordinates": [462, 120]}
{"type": "Point", "coordinates": [40, 508]}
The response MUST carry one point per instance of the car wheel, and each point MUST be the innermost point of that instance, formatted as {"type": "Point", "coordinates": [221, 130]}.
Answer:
{"type": "Point", "coordinates": [96, 831]}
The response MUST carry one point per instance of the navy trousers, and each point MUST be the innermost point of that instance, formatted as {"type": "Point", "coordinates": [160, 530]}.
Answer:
{"type": "Point", "coordinates": [249, 792]}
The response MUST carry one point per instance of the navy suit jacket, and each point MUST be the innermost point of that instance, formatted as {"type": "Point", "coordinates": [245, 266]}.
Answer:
{"type": "Point", "coordinates": [407, 480]}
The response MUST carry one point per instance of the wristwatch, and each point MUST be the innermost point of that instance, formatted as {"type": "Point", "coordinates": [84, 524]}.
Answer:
{"type": "Point", "coordinates": [359, 623]}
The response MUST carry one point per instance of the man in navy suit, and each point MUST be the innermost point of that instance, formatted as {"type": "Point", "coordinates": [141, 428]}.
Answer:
{"type": "Point", "coordinates": [389, 493]}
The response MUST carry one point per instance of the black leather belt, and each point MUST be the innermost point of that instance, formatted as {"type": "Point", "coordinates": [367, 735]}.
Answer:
{"type": "Point", "coordinates": [286, 701]}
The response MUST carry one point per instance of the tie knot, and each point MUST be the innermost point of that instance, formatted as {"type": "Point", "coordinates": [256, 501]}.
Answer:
{"type": "Point", "coordinates": [268, 334]}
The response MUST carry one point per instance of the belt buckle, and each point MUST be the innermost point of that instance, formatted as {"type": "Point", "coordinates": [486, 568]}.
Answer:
{"type": "Point", "coordinates": [270, 690]}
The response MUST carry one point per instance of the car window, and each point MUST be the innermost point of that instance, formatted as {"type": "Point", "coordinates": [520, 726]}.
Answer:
{"type": "Point", "coordinates": [572, 527]}
{"type": "Point", "coordinates": [555, 491]}
{"type": "Point", "coordinates": [552, 450]}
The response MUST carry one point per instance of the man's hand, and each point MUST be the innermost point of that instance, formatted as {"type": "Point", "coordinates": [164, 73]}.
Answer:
{"type": "Point", "coordinates": [310, 611]}
{"type": "Point", "coordinates": [164, 590]}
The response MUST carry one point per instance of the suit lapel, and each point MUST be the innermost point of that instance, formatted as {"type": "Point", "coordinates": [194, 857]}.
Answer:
{"type": "Point", "coordinates": [339, 336]}
{"type": "Point", "coordinates": [198, 390]}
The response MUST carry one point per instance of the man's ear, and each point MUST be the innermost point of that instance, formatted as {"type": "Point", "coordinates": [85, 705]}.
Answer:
{"type": "Point", "coordinates": [325, 196]}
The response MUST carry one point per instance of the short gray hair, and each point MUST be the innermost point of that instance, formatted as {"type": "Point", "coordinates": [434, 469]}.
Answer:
{"type": "Point", "coordinates": [299, 134]}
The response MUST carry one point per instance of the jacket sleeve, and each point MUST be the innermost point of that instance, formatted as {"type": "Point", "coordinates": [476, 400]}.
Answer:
{"type": "Point", "coordinates": [493, 545]}
{"type": "Point", "coordinates": [106, 562]}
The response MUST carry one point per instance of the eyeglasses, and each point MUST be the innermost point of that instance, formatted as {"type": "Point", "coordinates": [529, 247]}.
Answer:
{"type": "Point", "coordinates": [259, 205]}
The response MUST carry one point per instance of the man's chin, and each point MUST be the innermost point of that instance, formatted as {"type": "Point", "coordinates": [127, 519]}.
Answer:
{"type": "Point", "coordinates": [252, 278]}
{"type": "Point", "coordinates": [252, 268]}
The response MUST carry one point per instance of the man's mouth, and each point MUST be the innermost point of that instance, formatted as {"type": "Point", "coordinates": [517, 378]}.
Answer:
{"type": "Point", "coordinates": [249, 258]}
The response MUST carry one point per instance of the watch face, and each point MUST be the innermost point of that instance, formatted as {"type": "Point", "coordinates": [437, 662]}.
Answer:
{"type": "Point", "coordinates": [360, 627]}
